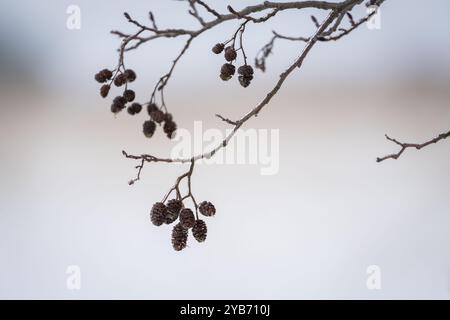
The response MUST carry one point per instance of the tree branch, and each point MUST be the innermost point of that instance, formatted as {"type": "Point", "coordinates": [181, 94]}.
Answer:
{"type": "Point", "coordinates": [327, 30]}
{"type": "Point", "coordinates": [254, 112]}
{"type": "Point", "coordinates": [417, 146]}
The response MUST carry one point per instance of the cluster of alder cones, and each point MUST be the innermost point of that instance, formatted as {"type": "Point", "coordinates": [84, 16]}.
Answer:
{"type": "Point", "coordinates": [157, 116]}
{"type": "Point", "coordinates": [174, 210]}
{"type": "Point", "coordinates": [228, 70]}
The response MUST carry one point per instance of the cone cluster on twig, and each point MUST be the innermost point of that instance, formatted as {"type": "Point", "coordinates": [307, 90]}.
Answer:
{"type": "Point", "coordinates": [228, 70]}
{"type": "Point", "coordinates": [157, 116]}
{"type": "Point", "coordinates": [108, 77]}
{"type": "Point", "coordinates": [174, 210]}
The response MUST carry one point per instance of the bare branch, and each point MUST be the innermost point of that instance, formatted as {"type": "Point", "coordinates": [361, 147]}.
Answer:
{"type": "Point", "coordinates": [328, 30]}
{"type": "Point", "coordinates": [418, 146]}
{"type": "Point", "coordinates": [254, 112]}
{"type": "Point", "coordinates": [266, 50]}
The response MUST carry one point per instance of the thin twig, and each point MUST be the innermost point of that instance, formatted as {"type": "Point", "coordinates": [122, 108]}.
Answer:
{"type": "Point", "coordinates": [418, 146]}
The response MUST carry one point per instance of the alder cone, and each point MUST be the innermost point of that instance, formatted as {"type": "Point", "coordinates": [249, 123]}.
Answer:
{"type": "Point", "coordinates": [107, 74]}
{"type": "Point", "coordinates": [225, 77]}
{"type": "Point", "coordinates": [120, 101]}
{"type": "Point", "coordinates": [130, 110]}
{"type": "Point", "coordinates": [104, 90]}
{"type": "Point", "coordinates": [246, 70]}
{"type": "Point", "coordinates": [228, 69]}
{"type": "Point", "coordinates": [158, 214]}
{"type": "Point", "coordinates": [230, 54]}
{"type": "Point", "coordinates": [207, 209]}
{"type": "Point", "coordinates": [168, 117]}
{"type": "Point", "coordinates": [187, 218]}
{"type": "Point", "coordinates": [245, 80]}
{"type": "Point", "coordinates": [174, 206]}
{"type": "Point", "coordinates": [129, 95]}
{"type": "Point", "coordinates": [100, 78]}
{"type": "Point", "coordinates": [149, 128]}
{"type": "Point", "coordinates": [157, 116]}
{"type": "Point", "coordinates": [130, 75]}
{"type": "Point", "coordinates": [120, 80]}
{"type": "Point", "coordinates": [173, 210]}
{"type": "Point", "coordinates": [199, 230]}
{"type": "Point", "coordinates": [152, 107]}
{"type": "Point", "coordinates": [169, 128]}
{"type": "Point", "coordinates": [218, 48]}
{"type": "Point", "coordinates": [116, 108]}
{"type": "Point", "coordinates": [171, 217]}
{"type": "Point", "coordinates": [179, 237]}
{"type": "Point", "coordinates": [135, 108]}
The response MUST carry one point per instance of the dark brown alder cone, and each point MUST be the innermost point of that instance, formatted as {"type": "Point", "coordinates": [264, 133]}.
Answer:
{"type": "Point", "coordinates": [245, 81]}
{"type": "Point", "coordinates": [174, 205]}
{"type": "Point", "coordinates": [149, 128]}
{"type": "Point", "coordinates": [104, 90]}
{"type": "Point", "coordinates": [207, 209]}
{"type": "Point", "coordinates": [103, 76]}
{"type": "Point", "coordinates": [107, 74]}
{"type": "Point", "coordinates": [135, 108]}
{"type": "Point", "coordinates": [199, 230]}
{"type": "Point", "coordinates": [225, 77]}
{"type": "Point", "coordinates": [120, 80]}
{"type": "Point", "coordinates": [152, 107]}
{"type": "Point", "coordinates": [218, 48]}
{"type": "Point", "coordinates": [120, 101]}
{"type": "Point", "coordinates": [228, 69]}
{"type": "Point", "coordinates": [157, 116]}
{"type": "Point", "coordinates": [168, 117]}
{"type": "Point", "coordinates": [171, 217]}
{"type": "Point", "coordinates": [169, 129]}
{"type": "Point", "coordinates": [179, 237]}
{"type": "Point", "coordinates": [129, 95]}
{"type": "Point", "coordinates": [173, 210]}
{"type": "Point", "coordinates": [158, 214]}
{"type": "Point", "coordinates": [187, 218]}
{"type": "Point", "coordinates": [130, 75]}
{"type": "Point", "coordinates": [100, 78]}
{"type": "Point", "coordinates": [246, 70]}
{"type": "Point", "coordinates": [230, 54]}
{"type": "Point", "coordinates": [116, 108]}
{"type": "Point", "coordinates": [118, 104]}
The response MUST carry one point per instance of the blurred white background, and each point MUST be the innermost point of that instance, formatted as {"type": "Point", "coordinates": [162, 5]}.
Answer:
{"type": "Point", "coordinates": [310, 231]}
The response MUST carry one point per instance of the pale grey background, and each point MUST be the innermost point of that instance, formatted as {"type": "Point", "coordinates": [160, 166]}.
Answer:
{"type": "Point", "coordinates": [308, 232]}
